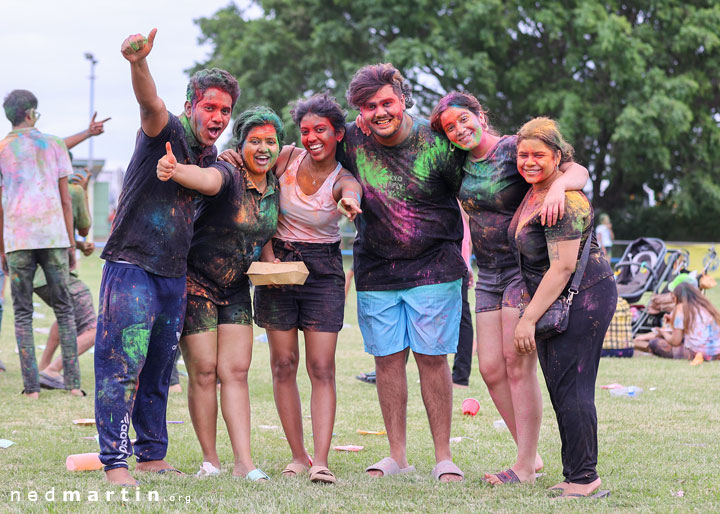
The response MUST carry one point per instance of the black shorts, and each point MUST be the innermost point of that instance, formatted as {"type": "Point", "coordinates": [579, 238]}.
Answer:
{"type": "Point", "coordinates": [319, 304]}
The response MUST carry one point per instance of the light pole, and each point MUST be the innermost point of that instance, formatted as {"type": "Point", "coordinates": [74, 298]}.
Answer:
{"type": "Point", "coordinates": [90, 57]}
{"type": "Point", "coordinates": [91, 197]}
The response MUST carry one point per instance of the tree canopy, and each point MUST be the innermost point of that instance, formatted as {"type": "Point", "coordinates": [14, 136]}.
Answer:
{"type": "Point", "coordinates": [634, 85]}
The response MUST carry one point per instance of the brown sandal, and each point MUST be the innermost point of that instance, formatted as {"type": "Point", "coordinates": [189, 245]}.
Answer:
{"type": "Point", "coordinates": [294, 470]}
{"type": "Point", "coordinates": [321, 474]}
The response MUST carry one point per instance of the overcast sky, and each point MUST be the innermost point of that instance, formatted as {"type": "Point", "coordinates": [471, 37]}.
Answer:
{"type": "Point", "coordinates": [42, 49]}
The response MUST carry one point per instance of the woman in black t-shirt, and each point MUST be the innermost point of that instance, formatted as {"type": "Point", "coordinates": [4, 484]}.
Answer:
{"type": "Point", "coordinates": [548, 257]}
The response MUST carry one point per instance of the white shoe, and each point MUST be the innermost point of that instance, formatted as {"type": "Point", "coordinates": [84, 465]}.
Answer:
{"type": "Point", "coordinates": [207, 469]}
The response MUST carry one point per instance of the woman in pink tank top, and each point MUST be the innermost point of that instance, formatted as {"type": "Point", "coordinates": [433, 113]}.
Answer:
{"type": "Point", "coordinates": [315, 191]}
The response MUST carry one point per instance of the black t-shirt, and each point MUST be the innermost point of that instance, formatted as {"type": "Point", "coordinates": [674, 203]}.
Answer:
{"type": "Point", "coordinates": [153, 225]}
{"type": "Point", "coordinates": [529, 238]}
{"type": "Point", "coordinates": [410, 231]}
{"type": "Point", "coordinates": [230, 230]}
{"type": "Point", "coordinates": [491, 191]}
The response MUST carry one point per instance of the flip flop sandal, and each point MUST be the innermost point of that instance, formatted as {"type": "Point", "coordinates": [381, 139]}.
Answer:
{"type": "Point", "coordinates": [48, 382]}
{"type": "Point", "coordinates": [207, 469]}
{"type": "Point", "coordinates": [256, 475]}
{"type": "Point", "coordinates": [294, 470]}
{"type": "Point", "coordinates": [447, 467]}
{"type": "Point", "coordinates": [598, 494]}
{"type": "Point", "coordinates": [168, 471]}
{"type": "Point", "coordinates": [388, 467]}
{"type": "Point", "coordinates": [506, 477]}
{"type": "Point", "coordinates": [322, 475]}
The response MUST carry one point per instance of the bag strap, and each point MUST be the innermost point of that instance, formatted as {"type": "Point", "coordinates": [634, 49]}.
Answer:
{"type": "Point", "coordinates": [579, 270]}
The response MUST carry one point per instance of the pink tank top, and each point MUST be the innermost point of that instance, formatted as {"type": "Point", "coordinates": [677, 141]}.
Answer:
{"type": "Point", "coordinates": [307, 218]}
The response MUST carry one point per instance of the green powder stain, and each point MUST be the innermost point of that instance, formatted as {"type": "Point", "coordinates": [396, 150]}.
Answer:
{"type": "Point", "coordinates": [135, 341]}
{"type": "Point", "coordinates": [428, 158]}
{"type": "Point", "coordinates": [371, 172]}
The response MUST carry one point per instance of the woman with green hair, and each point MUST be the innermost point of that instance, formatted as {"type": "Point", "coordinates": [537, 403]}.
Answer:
{"type": "Point", "coordinates": [236, 218]}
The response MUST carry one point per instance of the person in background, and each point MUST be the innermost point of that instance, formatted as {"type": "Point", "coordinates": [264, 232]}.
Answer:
{"type": "Point", "coordinates": [462, 364]}
{"type": "Point", "coordinates": [694, 327]}
{"type": "Point", "coordinates": [36, 229]}
{"type": "Point", "coordinates": [605, 235]}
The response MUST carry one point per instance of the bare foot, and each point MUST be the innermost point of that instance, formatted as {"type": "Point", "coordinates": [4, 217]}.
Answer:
{"type": "Point", "coordinates": [51, 373]}
{"type": "Point", "coordinates": [77, 392]}
{"type": "Point", "coordinates": [573, 489]}
{"type": "Point", "coordinates": [175, 388]}
{"type": "Point", "coordinates": [460, 386]}
{"type": "Point", "coordinates": [539, 464]}
{"type": "Point", "coordinates": [156, 466]}
{"type": "Point", "coordinates": [33, 396]}
{"type": "Point", "coordinates": [120, 476]}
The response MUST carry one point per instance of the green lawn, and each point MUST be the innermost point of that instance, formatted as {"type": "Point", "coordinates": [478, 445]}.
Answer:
{"type": "Point", "coordinates": [651, 447]}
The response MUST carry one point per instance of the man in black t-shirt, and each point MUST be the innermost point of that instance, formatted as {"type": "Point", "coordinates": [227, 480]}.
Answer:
{"type": "Point", "coordinates": [143, 289]}
{"type": "Point", "coordinates": [407, 260]}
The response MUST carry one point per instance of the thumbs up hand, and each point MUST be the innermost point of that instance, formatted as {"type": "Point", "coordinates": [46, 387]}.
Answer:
{"type": "Point", "coordinates": [167, 165]}
{"type": "Point", "coordinates": [137, 46]}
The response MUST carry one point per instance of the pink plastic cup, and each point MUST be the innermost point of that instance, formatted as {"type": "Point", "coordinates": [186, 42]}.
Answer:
{"type": "Point", "coordinates": [470, 406]}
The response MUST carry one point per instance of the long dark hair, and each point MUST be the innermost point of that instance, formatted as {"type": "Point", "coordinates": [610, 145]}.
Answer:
{"type": "Point", "coordinates": [692, 302]}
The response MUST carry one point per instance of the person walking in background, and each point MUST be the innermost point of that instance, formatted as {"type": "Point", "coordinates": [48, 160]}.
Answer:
{"type": "Point", "coordinates": [36, 228]}
{"type": "Point", "coordinates": [605, 235]}
{"type": "Point", "coordinates": [143, 288]}
{"type": "Point", "coordinates": [548, 256]}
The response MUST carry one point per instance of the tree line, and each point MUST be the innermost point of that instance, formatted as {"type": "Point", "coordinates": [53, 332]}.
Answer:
{"type": "Point", "coordinates": [633, 84]}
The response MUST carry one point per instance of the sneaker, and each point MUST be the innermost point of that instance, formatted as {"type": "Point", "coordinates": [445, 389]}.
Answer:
{"type": "Point", "coordinates": [207, 469]}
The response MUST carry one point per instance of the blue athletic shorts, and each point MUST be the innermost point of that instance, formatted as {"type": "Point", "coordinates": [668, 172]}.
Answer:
{"type": "Point", "coordinates": [425, 318]}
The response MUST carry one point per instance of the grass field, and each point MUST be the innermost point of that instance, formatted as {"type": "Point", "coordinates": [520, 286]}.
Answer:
{"type": "Point", "coordinates": [658, 452]}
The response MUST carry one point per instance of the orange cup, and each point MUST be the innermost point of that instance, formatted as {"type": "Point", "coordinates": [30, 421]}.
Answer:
{"type": "Point", "coordinates": [83, 462]}
{"type": "Point", "coordinates": [470, 406]}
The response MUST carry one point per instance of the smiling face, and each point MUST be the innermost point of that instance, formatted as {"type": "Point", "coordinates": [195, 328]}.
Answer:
{"type": "Point", "coordinates": [462, 127]}
{"type": "Point", "coordinates": [537, 162]}
{"type": "Point", "coordinates": [383, 112]}
{"type": "Point", "coordinates": [319, 137]}
{"type": "Point", "coordinates": [210, 115]}
{"type": "Point", "coordinates": [260, 149]}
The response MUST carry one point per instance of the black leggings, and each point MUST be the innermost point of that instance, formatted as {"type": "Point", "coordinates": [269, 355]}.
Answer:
{"type": "Point", "coordinates": [569, 362]}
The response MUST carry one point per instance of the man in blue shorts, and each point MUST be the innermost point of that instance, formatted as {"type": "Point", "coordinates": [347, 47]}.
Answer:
{"type": "Point", "coordinates": [142, 293]}
{"type": "Point", "coordinates": [408, 266]}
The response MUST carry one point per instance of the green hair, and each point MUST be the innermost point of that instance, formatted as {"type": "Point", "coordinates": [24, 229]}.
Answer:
{"type": "Point", "coordinates": [17, 103]}
{"type": "Point", "coordinates": [256, 117]}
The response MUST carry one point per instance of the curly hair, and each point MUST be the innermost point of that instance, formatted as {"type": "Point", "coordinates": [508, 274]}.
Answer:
{"type": "Point", "coordinates": [366, 82]}
{"type": "Point", "coordinates": [547, 130]}
{"type": "Point", "coordinates": [17, 103]}
{"type": "Point", "coordinates": [463, 101]}
{"type": "Point", "coordinates": [211, 77]}
{"type": "Point", "coordinates": [323, 105]}
{"type": "Point", "coordinates": [256, 117]}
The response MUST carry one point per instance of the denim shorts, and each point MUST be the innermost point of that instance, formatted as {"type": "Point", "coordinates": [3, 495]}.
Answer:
{"type": "Point", "coordinates": [425, 319]}
{"type": "Point", "coordinates": [319, 304]}
{"type": "Point", "coordinates": [204, 315]}
{"type": "Point", "coordinates": [496, 288]}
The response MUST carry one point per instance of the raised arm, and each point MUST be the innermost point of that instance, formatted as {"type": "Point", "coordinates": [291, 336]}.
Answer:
{"type": "Point", "coordinates": [94, 129]}
{"type": "Point", "coordinates": [348, 194]}
{"type": "Point", "coordinates": [574, 178]}
{"type": "Point", "coordinates": [207, 181]}
{"type": "Point", "coordinates": [153, 114]}
{"type": "Point", "coordinates": [563, 259]}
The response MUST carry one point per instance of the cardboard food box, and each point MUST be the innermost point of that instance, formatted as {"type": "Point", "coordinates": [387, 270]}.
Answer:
{"type": "Point", "coordinates": [280, 273]}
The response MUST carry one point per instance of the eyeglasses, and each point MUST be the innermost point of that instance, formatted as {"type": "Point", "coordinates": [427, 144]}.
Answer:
{"type": "Point", "coordinates": [37, 115]}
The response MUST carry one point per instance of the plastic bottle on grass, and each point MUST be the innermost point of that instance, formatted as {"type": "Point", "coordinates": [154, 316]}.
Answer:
{"type": "Point", "coordinates": [629, 392]}
{"type": "Point", "coordinates": [83, 462]}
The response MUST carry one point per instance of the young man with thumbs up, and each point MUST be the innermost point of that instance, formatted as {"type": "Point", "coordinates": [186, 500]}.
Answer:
{"type": "Point", "coordinates": [142, 294]}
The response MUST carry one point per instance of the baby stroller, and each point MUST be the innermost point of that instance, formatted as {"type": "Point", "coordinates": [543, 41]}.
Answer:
{"type": "Point", "coordinates": [647, 265]}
